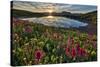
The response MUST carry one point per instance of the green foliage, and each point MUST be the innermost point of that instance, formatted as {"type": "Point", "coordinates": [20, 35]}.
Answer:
{"type": "Point", "coordinates": [51, 43]}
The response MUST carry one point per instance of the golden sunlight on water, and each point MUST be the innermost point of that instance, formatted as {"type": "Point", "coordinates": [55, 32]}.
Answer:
{"type": "Point", "coordinates": [50, 19]}
{"type": "Point", "coordinates": [50, 16]}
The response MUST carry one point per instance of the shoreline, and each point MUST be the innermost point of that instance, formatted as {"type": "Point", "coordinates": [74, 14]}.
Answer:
{"type": "Point", "coordinates": [89, 28]}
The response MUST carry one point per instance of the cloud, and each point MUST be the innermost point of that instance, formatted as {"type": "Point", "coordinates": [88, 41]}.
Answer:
{"type": "Point", "coordinates": [44, 7]}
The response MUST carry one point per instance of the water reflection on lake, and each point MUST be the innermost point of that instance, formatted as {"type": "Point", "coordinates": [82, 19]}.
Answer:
{"type": "Point", "coordinates": [57, 21]}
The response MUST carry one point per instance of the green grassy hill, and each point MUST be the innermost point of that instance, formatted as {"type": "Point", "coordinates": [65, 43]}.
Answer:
{"type": "Point", "coordinates": [91, 17]}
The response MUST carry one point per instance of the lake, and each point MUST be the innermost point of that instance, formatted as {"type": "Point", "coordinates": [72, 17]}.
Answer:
{"type": "Point", "coordinates": [57, 21]}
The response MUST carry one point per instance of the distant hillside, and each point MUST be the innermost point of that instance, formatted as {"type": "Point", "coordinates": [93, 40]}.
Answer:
{"type": "Point", "coordinates": [23, 13]}
{"type": "Point", "coordinates": [91, 17]}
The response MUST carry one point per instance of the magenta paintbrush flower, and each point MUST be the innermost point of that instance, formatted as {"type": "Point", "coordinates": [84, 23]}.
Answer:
{"type": "Point", "coordinates": [73, 53]}
{"type": "Point", "coordinates": [90, 35]}
{"type": "Point", "coordinates": [39, 54]}
{"type": "Point", "coordinates": [28, 29]}
{"type": "Point", "coordinates": [81, 52]}
{"type": "Point", "coordinates": [78, 47]}
{"type": "Point", "coordinates": [67, 51]}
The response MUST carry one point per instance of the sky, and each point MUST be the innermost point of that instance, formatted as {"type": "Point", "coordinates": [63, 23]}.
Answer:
{"type": "Point", "coordinates": [52, 7]}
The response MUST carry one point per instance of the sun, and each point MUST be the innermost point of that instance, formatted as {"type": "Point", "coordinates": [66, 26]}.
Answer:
{"type": "Point", "coordinates": [50, 11]}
